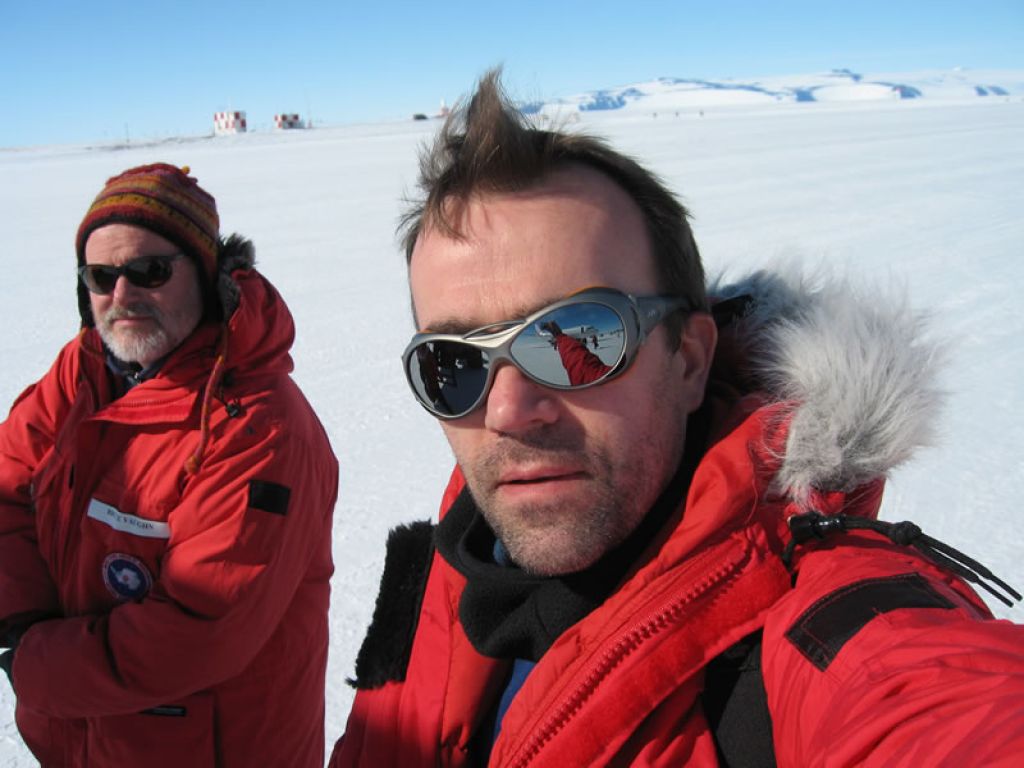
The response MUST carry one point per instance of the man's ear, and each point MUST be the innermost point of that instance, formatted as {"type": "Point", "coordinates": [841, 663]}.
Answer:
{"type": "Point", "coordinates": [697, 348]}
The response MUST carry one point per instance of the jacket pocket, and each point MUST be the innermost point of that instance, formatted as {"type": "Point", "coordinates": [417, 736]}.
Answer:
{"type": "Point", "coordinates": [168, 736]}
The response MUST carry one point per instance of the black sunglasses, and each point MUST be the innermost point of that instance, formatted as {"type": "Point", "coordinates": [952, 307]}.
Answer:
{"type": "Point", "coordinates": [585, 339]}
{"type": "Point", "coordinates": [144, 272]}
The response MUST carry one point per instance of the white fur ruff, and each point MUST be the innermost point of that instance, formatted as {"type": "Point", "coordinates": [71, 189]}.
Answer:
{"type": "Point", "coordinates": [857, 367]}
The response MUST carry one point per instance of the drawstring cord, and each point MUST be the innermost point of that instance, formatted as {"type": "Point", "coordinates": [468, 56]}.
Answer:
{"type": "Point", "coordinates": [814, 525]}
{"type": "Point", "coordinates": [192, 462]}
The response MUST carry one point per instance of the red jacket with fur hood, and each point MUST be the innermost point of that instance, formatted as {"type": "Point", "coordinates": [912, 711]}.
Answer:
{"type": "Point", "coordinates": [871, 655]}
{"type": "Point", "coordinates": [170, 552]}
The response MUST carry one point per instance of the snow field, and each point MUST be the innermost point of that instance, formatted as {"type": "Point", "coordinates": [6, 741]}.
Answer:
{"type": "Point", "coordinates": [913, 196]}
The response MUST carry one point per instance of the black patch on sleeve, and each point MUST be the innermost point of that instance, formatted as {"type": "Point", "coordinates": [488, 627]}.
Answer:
{"type": "Point", "coordinates": [270, 497]}
{"type": "Point", "coordinates": [824, 628]}
{"type": "Point", "coordinates": [384, 655]}
{"type": "Point", "coordinates": [166, 710]}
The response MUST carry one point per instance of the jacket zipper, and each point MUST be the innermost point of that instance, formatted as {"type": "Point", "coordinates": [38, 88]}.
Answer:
{"type": "Point", "coordinates": [640, 633]}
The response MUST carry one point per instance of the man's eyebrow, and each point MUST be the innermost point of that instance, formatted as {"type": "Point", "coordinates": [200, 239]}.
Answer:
{"type": "Point", "coordinates": [461, 326]}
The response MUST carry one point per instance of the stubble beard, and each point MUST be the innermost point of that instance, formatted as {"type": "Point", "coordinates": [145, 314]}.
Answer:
{"type": "Point", "coordinates": [622, 484]}
{"type": "Point", "coordinates": [565, 535]}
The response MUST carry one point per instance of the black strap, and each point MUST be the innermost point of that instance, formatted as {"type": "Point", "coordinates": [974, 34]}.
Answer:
{"type": "Point", "coordinates": [736, 706]}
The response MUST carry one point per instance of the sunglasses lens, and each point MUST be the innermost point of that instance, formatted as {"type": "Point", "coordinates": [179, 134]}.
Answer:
{"type": "Point", "coordinates": [571, 346]}
{"type": "Point", "coordinates": [448, 376]}
{"type": "Point", "coordinates": [148, 272]}
{"type": "Point", "coordinates": [98, 278]}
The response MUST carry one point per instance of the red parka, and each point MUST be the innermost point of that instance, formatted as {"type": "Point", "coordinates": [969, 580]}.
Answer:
{"type": "Point", "coordinates": [174, 548]}
{"type": "Point", "coordinates": [870, 654]}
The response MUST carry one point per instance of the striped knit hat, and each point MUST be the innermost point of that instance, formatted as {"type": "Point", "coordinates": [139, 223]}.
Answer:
{"type": "Point", "coordinates": [165, 200]}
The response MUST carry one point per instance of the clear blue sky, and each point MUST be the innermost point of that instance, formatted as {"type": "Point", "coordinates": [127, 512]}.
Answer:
{"type": "Point", "coordinates": [77, 71]}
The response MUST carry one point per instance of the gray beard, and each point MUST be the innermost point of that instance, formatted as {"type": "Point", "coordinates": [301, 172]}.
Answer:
{"type": "Point", "coordinates": [132, 350]}
{"type": "Point", "coordinates": [135, 347]}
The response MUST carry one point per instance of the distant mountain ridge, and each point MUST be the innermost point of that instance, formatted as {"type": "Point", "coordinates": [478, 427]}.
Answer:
{"type": "Point", "coordinates": [667, 93]}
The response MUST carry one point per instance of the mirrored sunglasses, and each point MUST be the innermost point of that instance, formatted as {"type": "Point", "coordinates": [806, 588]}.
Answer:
{"type": "Point", "coordinates": [580, 341]}
{"type": "Point", "coordinates": [144, 272]}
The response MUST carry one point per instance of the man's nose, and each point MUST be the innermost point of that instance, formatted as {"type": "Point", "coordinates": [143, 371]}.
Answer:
{"type": "Point", "coordinates": [516, 403]}
{"type": "Point", "coordinates": [124, 292]}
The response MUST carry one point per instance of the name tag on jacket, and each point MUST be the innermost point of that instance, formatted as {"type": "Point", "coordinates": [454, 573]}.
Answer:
{"type": "Point", "coordinates": [121, 521]}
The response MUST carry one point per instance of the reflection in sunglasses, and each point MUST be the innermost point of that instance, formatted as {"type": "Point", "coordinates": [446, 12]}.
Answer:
{"type": "Point", "coordinates": [581, 365]}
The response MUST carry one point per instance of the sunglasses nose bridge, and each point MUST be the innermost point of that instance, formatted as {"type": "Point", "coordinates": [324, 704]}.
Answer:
{"type": "Point", "coordinates": [123, 287]}
{"type": "Point", "coordinates": [514, 400]}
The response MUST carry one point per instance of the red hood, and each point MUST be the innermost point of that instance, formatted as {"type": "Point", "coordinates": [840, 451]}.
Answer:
{"type": "Point", "coordinates": [261, 329]}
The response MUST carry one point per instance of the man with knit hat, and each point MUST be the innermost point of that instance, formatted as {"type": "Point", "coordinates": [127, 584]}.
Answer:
{"type": "Point", "coordinates": [166, 495]}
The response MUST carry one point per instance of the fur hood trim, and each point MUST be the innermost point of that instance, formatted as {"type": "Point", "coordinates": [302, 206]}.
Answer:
{"type": "Point", "coordinates": [856, 366]}
{"type": "Point", "coordinates": [233, 253]}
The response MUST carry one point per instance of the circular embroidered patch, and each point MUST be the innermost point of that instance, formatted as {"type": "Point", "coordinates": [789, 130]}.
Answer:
{"type": "Point", "coordinates": [126, 577]}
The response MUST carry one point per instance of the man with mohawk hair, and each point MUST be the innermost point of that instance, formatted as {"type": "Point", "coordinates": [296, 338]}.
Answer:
{"type": "Point", "coordinates": [673, 558]}
{"type": "Point", "coordinates": [166, 495]}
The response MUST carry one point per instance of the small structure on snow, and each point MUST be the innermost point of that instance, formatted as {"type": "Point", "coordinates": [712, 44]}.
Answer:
{"type": "Point", "coordinates": [228, 122]}
{"type": "Point", "coordinates": [286, 121]}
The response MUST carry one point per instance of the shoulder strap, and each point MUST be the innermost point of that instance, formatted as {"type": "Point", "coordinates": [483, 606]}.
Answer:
{"type": "Point", "coordinates": [736, 706]}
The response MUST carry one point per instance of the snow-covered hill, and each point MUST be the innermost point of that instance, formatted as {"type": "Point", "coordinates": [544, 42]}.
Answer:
{"type": "Point", "coordinates": [667, 94]}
